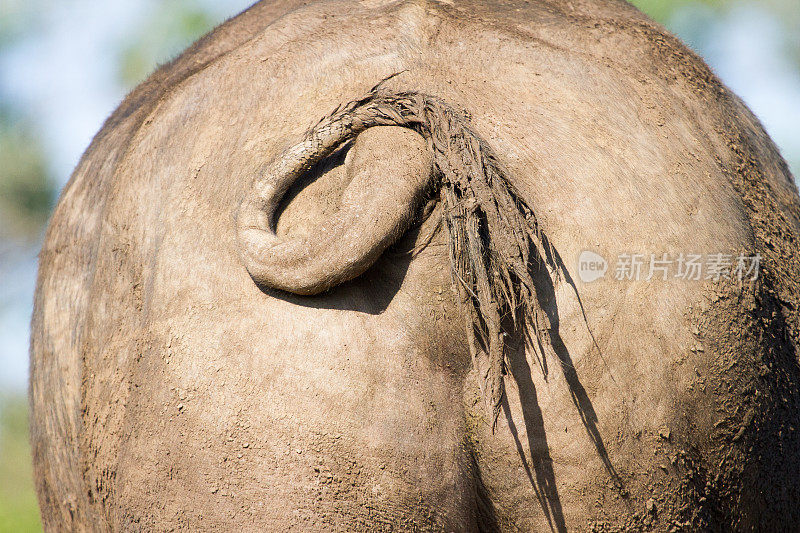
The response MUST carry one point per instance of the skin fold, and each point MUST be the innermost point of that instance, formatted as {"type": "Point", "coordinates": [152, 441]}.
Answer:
{"type": "Point", "coordinates": [172, 389]}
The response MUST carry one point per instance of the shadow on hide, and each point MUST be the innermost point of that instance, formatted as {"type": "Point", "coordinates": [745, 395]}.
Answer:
{"type": "Point", "coordinates": [540, 472]}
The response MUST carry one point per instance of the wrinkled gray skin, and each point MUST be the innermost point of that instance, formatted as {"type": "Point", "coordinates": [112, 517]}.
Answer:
{"type": "Point", "coordinates": [169, 391]}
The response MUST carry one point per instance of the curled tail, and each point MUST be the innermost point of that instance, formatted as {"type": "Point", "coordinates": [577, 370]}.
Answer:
{"type": "Point", "coordinates": [495, 241]}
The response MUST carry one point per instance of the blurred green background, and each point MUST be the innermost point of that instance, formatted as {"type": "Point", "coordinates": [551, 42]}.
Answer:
{"type": "Point", "coordinates": [65, 65]}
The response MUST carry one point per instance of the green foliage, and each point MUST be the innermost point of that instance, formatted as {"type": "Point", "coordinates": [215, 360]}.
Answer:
{"type": "Point", "coordinates": [26, 190]}
{"type": "Point", "coordinates": [662, 10]}
{"type": "Point", "coordinates": [167, 30]}
{"type": "Point", "coordinates": [17, 17]}
{"type": "Point", "coordinates": [789, 14]}
{"type": "Point", "coordinates": [19, 510]}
